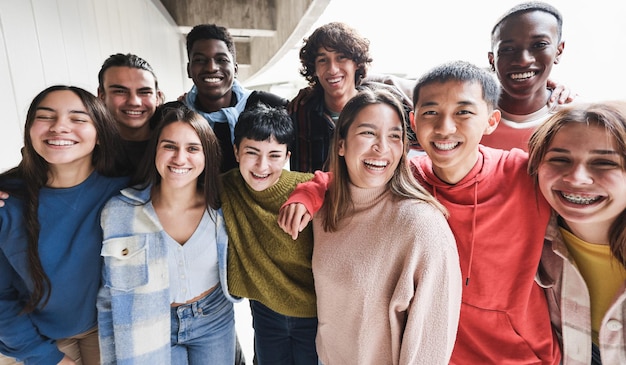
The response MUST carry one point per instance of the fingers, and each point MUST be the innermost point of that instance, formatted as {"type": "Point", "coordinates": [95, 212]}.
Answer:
{"type": "Point", "coordinates": [293, 218]}
{"type": "Point", "coordinates": [3, 197]}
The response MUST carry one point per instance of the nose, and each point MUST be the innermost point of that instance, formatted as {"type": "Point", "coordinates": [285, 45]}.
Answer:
{"type": "Point", "coordinates": [211, 65]}
{"type": "Point", "coordinates": [61, 125]}
{"type": "Point", "coordinates": [445, 125]}
{"type": "Point", "coordinates": [262, 161]}
{"type": "Point", "coordinates": [333, 67]}
{"type": "Point", "coordinates": [380, 145]}
{"type": "Point", "coordinates": [524, 57]}
{"type": "Point", "coordinates": [179, 157]}
{"type": "Point", "coordinates": [133, 98]}
{"type": "Point", "coordinates": [578, 175]}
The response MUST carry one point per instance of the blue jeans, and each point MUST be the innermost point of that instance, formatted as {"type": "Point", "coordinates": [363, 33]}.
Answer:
{"type": "Point", "coordinates": [203, 332]}
{"type": "Point", "coordinates": [595, 355]}
{"type": "Point", "coordinates": [282, 340]}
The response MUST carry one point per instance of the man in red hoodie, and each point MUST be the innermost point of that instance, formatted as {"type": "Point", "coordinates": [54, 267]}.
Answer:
{"type": "Point", "coordinates": [496, 214]}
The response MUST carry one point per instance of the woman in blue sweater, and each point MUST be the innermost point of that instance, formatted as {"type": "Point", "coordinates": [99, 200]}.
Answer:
{"type": "Point", "coordinates": [50, 236]}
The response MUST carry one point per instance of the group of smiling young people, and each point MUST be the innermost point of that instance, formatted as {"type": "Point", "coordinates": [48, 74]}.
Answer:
{"type": "Point", "coordinates": [462, 254]}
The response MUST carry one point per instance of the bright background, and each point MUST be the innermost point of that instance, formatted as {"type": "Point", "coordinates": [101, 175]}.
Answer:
{"type": "Point", "coordinates": [409, 37]}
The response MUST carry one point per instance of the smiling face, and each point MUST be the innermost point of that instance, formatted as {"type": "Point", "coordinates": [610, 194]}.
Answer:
{"type": "Point", "coordinates": [583, 177]}
{"type": "Point", "coordinates": [373, 146]}
{"type": "Point", "coordinates": [63, 133]}
{"type": "Point", "coordinates": [130, 95]}
{"type": "Point", "coordinates": [212, 68]}
{"type": "Point", "coordinates": [261, 162]}
{"type": "Point", "coordinates": [179, 157]}
{"type": "Point", "coordinates": [336, 74]}
{"type": "Point", "coordinates": [526, 47]}
{"type": "Point", "coordinates": [450, 119]}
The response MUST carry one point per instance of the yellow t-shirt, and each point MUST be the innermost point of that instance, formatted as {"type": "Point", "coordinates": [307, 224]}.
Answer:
{"type": "Point", "coordinates": [603, 275]}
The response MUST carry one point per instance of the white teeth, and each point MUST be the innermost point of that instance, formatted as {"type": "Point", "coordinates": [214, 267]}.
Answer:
{"type": "Point", "coordinates": [523, 75]}
{"type": "Point", "coordinates": [133, 112]}
{"type": "Point", "coordinates": [580, 199]}
{"type": "Point", "coordinates": [179, 171]}
{"type": "Point", "coordinates": [334, 80]}
{"type": "Point", "coordinates": [376, 163]}
{"type": "Point", "coordinates": [446, 146]}
{"type": "Point", "coordinates": [260, 176]}
{"type": "Point", "coordinates": [211, 79]}
{"type": "Point", "coordinates": [59, 142]}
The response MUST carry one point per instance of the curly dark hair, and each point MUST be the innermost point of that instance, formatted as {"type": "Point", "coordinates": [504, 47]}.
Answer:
{"type": "Point", "coordinates": [337, 37]}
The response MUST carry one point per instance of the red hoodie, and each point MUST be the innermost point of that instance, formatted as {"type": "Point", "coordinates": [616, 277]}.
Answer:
{"type": "Point", "coordinates": [499, 219]}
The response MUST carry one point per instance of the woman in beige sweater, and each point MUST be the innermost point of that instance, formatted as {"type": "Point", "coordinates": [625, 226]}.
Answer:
{"type": "Point", "coordinates": [385, 263]}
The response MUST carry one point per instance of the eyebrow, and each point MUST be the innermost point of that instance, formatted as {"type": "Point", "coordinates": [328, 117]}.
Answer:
{"type": "Point", "coordinates": [374, 126]}
{"type": "Point", "coordinates": [48, 109]}
{"type": "Point", "coordinates": [460, 103]}
{"type": "Point", "coordinates": [595, 152]}
{"type": "Point", "coordinates": [176, 143]}
{"type": "Point", "coordinates": [259, 150]}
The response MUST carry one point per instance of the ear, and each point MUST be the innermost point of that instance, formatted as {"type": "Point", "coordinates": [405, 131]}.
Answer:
{"type": "Point", "coordinates": [412, 121]}
{"type": "Point", "coordinates": [100, 93]}
{"type": "Point", "coordinates": [188, 70]}
{"type": "Point", "coordinates": [559, 52]}
{"type": "Point", "coordinates": [494, 120]}
{"type": "Point", "coordinates": [342, 151]}
{"type": "Point", "coordinates": [287, 156]}
{"type": "Point", "coordinates": [236, 69]}
{"type": "Point", "coordinates": [236, 150]}
{"type": "Point", "coordinates": [160, 97]}
{"type": "Point", "coordinates": [492, 61]}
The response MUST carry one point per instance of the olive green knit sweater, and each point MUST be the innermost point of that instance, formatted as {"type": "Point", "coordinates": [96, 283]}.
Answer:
{"type": "Point", "coordinates": [264, 263]}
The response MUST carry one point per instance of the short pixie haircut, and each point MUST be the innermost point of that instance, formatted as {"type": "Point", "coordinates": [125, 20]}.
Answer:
{"type": "Point", "coordinates": [262, 123]}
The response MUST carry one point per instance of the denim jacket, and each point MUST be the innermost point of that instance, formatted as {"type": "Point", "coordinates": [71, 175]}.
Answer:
{"type": "Point", "coordinates": [134, 300]}
{"type": "Point", "coordinates": [569, 303]}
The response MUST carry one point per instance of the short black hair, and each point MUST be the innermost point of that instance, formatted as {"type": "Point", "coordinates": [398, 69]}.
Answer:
{"type": "Point", "coordinates": [211, 31]}
{"type": "Point", "coordinates": [464, 72]}
{"type": "Point", "coordinates": [528, 7]}
{"type": "Point", "coordinates": [262, 122]}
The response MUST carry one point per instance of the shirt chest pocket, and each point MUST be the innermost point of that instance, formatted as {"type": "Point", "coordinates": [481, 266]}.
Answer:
{"type": "Point", "coordinates": [125, 262]}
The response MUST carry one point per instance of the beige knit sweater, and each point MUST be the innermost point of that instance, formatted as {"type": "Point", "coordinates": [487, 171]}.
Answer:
{"type": "Point", "coordinates": [388, 283]}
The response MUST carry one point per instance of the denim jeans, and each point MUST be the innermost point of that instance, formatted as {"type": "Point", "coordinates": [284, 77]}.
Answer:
{"type": "Point", "coordinates": [282, 340]}
{"type": "Point", "coordinates": [595, 355]}
{"type": "Point", "coordinates": [203, 332]}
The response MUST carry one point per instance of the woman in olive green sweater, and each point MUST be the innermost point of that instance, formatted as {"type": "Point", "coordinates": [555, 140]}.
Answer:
{"type": "Point", "coordinates": [264, 263]}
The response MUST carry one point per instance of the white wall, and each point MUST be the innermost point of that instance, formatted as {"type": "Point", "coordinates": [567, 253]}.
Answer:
{"type": "Point", "coordinates": [46, 42]}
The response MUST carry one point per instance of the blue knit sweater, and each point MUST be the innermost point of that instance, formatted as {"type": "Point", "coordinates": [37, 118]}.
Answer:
{"type": "Point", "coordinates": [69, 248]}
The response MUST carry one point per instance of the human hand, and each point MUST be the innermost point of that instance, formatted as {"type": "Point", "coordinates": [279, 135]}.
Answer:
{"type": "Point", "coordinates": [66, 361]}
{"type": "Point", "coordinates": [303, 96]}
{"type": "Point", "coordinates": [182, 98]}
{"type": "Point", "coordinates": [3, 196]}
{"type": "Point", "coordinates": [293, 218]}
{"type": "Point", "coordinates": [560, 93]}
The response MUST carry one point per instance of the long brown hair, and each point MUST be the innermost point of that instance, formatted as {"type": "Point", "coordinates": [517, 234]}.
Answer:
{"type": "Point", "coordinates": [612, 116]}
{"type": "Point", "coordinates": [338, 200]}
{"type": "Point", "coordinates": [34, 172]}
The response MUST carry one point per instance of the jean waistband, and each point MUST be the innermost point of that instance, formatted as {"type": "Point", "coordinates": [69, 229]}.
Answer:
{"type": "Point", "coordinates": [195, 308]}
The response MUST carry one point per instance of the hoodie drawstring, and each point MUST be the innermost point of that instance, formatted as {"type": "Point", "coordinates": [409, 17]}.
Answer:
{"type": "Point", "coordinates": [471, 258]}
